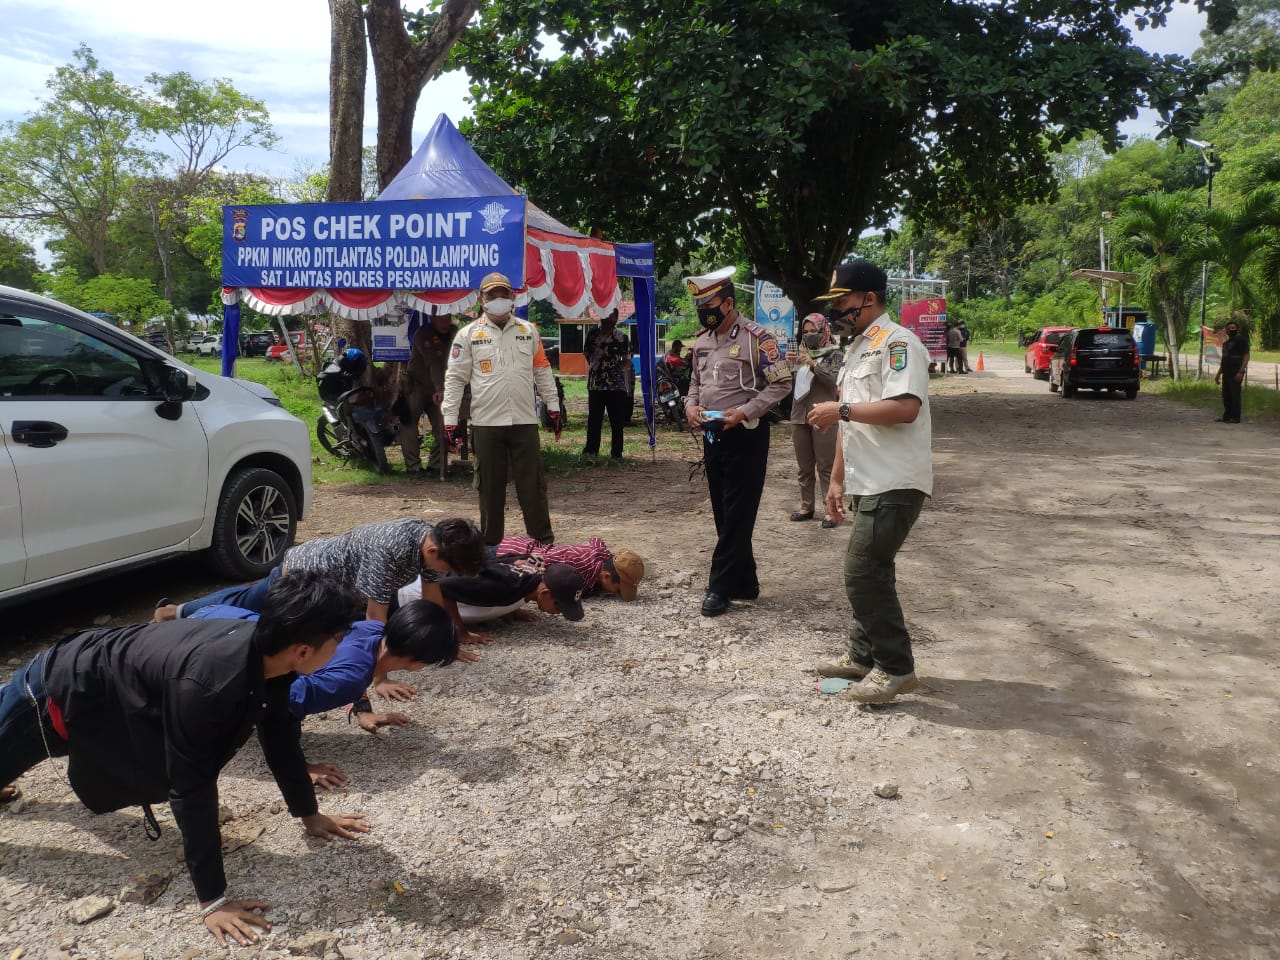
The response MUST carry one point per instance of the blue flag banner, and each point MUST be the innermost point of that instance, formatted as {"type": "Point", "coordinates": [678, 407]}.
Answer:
{"type": "Point", "coordinates": [448, 244]}
{"type": "Point", "coordinates": [634, 259]}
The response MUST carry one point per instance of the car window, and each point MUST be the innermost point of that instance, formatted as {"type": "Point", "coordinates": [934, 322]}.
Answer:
{"type": "Point", "coordinates": [43, 358]}
{"type": "Point", "coordinates": [1035, 339]}
{"type": "Point", "coordinates": [1054, 338]}
{"type": "Point", "coordinates": [1108, 339]}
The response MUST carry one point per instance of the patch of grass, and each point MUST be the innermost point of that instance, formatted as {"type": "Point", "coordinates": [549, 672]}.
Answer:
{"type": "Point", "coordinates": [563, 459]}
{"type": "Point", "coordinates": [1259, 403]}
{"type": "Point", "coordinates": [1004, 348]}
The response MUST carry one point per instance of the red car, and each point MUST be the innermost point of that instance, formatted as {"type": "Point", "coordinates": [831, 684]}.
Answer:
{"type": "Point", "coordinates": [283, 351]}
{"type": "Point", "coordinates": [1040, 350]}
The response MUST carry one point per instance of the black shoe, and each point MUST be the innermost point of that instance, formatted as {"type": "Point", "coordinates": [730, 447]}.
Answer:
{"type": "Point", "coordinates": [798, 516]}
{"type": "Point", "coordinates": [713, 605]}
{"type": "Point", "coordinates": [829, 524]}
{"type": "Point", "coordinates": [752, 594]}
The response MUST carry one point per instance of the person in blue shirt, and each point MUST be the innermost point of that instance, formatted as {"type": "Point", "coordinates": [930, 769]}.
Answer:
{"type": "Point", "coordinates": [417, 635]}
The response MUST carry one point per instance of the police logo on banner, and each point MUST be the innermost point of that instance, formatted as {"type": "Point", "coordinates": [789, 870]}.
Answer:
{"type": "Point", "coordinates": [493, 214]}
{"type": "Point", "coordinates": [898, 355]}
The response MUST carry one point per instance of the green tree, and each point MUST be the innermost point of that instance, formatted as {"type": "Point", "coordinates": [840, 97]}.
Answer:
{"type": "Point", "coordinates": [128, 299]}
{"type": "Point", "coordinates": [1159, 230]}
{"type": "Point", "coordinates": [18, 264]}
{"type": "Point", "coordinates": [804, 124]}
{"type": "Point", "coordinates": [1251, 42]}
{"type": "Point", "coordinates": [70, 165]}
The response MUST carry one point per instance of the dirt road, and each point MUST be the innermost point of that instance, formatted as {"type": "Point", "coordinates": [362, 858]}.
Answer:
{"type": "Point", "coordinates": [1089, 767]}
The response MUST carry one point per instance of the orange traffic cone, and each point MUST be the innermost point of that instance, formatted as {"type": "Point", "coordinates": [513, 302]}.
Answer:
{"type": "Point", "coordinates": [981, 366]}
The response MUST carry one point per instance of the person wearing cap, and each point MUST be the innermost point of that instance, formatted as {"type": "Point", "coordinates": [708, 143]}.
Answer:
{"type": "Point", "coordinates": [501, 357]}
{"type": "Point", "coordinates": [608, 352]}
{"type": "Point", "coordinates": [601, 569]}
{"type": "Point", "coordinates": [508, 583]}
{"type": "Point", "coordinates": [884, 465]}
{"type": "Point", "coordinates": [738, 375]}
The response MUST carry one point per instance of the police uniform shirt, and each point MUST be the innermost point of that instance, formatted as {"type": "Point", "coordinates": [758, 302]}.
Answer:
{"type": "Point", "coordinates": [741, 368]}
{"type": "Point", "coordinates": [884, 362]}
{"type": "Point", "coordinates": [502, 365]}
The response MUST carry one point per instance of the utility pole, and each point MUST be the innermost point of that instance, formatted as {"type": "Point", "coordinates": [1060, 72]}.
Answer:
{"type": "Point", "coordinates": [1211, 163]}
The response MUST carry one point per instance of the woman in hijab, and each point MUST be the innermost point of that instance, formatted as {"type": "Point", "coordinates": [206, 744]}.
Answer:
{"type": "Point", "coordinates": [817, 364]}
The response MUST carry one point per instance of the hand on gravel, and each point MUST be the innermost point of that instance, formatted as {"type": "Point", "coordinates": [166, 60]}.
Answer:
{"type": "Point", "coordinates": [391, 690]}
{"type": "Point", "coordinates": [373, 721]}
{"type": "Point", "coordinates": [345, 825]}
{"type": "Point", "coordinates": [471, 636]}
{"type": "Point", "coordinates": [236, 919]}
{"type": "Point", "coordinates": [327, 775]}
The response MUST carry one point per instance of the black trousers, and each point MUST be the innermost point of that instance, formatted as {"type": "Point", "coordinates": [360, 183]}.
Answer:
{"type": "Point", "coordinates": [618, 405]}
{"type": "Point", "coordinates": [736, 461]}
{"type": "Point", "coordinates": [1231, 392]}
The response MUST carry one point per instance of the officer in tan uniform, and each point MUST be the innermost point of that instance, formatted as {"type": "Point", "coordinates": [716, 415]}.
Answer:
{"type": "Point", "coordinates": [738, 375]}
{"type": "Point", "coordinates": [501, 357]}
{"type": "Point", "coordinates": [884, 466]}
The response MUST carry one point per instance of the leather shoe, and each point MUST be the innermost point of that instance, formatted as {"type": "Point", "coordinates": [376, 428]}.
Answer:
{"type": "Point", "coordinates": [798, 516]}
{"type": "Point", "coordinates": [713, 605]}
{"type": "Point", "coordinates": [829, 524]}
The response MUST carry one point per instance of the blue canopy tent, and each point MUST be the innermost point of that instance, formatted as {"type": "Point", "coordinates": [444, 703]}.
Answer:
{"type": "Point", "coordinates": [567, 268]}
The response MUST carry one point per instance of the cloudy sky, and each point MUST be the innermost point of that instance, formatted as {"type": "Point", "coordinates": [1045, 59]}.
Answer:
{"type": "Point", "coordinates": [277, 50]}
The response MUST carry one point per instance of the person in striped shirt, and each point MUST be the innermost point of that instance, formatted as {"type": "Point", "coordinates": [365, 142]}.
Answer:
{"type": "Point", "coordinates": [602, 570]}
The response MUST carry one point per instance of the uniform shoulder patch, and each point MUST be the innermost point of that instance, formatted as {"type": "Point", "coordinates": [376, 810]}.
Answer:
{"type": "Point", "coordinates": [753, 328]}
{"type": "Point", "coordinates": [898, 355]}
{"type": "Point", "coordinates": [456, 352]}
{"type": "Point", "coordinates": [769, 347]}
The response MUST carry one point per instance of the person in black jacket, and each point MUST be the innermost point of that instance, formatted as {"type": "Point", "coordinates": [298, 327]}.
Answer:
{"type": "Point", "coordinates": [149, 714]}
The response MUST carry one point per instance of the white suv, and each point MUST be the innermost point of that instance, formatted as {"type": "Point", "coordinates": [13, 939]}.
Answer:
{"type": "Point", "coordinates": [210, 346]}
{"type": "Point", "coordinates": [114, 454]}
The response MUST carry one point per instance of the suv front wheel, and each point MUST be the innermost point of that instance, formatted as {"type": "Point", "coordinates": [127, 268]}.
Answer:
{"type": "Point", "coordinates": [256, 521]}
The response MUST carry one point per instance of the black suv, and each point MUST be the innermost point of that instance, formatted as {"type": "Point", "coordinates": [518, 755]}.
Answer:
{"type": "Point", "coordinates": [1101, 358]}
{"type": "Point", "coordinates": [256, 344]}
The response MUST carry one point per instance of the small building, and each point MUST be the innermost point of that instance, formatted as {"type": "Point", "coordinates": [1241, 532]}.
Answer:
{"type": "Point", "coordinates": [573, 336]}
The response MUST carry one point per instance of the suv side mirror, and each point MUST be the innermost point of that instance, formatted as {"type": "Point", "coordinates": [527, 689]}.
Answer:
{"type": "Point", "coordinates": [176, 386]}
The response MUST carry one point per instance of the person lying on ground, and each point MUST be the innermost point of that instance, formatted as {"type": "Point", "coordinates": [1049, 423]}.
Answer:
{"type": "Point", "coordinates": [419, 634]}
{"type": "Point", "coordinates": [375, 560]}
{"type": "Point", "coordinates": [507, 584]}
{"type": "Point", "coordinates": [150, 714]}
{"type": "Point", "coordinates": [601, 569]}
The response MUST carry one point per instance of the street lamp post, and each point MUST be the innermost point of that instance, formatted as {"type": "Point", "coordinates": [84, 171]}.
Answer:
{"type": "Point", "coordinates": [1210, 164]}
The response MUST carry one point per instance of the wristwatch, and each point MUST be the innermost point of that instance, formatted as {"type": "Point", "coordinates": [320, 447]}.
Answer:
{"type": "Point", "coordinates": [844, 412]}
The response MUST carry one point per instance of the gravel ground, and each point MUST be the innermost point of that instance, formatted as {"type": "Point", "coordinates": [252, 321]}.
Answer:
{"type": "Point", "coordinates": [1088, 768]}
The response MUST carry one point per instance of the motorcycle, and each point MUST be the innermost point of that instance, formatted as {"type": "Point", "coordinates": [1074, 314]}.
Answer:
{"type": "Point", "coordinates": [671, 393]}
{"type": "Point", "coordinates": [351, 426]}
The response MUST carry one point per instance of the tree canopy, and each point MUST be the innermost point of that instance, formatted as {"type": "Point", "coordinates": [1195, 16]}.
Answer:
{"type": "Point", "coordinates": [803, 124]}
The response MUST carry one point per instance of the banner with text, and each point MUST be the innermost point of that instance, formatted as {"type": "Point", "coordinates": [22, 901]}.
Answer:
{"type": "Point", "coordinates": [380, 245]}
{"type": "Point", "coordinates": [775, 312]}
{"type": "Point", "coordinates": [927, 319]}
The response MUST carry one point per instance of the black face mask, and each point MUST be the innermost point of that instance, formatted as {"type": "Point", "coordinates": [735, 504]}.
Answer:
{"type": "Point", "coordinates": [842, 322]}
{"type": "Point", "coordinates": [1232, 333]}
{"type": "Point", "coordinates": [709, 317]}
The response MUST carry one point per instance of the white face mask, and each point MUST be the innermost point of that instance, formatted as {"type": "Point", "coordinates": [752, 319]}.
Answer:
{"type": "Point", "coordinates": [498, 308]}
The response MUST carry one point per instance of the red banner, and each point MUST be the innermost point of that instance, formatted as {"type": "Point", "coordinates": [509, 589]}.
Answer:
{"type": "Point", "coordinates": [927, 319]}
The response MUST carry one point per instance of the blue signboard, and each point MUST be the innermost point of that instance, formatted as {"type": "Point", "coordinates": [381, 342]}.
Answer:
{"type": "Point", "coordinates": [775, 312]}
{"type": "Point", "coordinates": [446, 244]}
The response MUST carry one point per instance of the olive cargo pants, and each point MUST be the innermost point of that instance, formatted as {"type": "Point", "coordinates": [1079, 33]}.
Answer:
{"type": "Point", "coordinates": [520, 447]}
{"type": "Point", "coordinates": [878, 632]}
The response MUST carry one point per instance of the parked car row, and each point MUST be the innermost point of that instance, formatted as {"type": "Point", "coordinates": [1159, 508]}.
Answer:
{"type": "Point", "coordinates": [1085, 358]}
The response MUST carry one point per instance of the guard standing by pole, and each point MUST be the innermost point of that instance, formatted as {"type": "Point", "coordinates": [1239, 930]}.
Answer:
{"type": "Point", "coordinates": [738, 375]}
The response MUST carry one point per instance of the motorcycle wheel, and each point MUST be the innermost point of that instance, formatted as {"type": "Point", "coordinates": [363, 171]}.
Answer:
{"type": "Point", "coordinates": [332, 437]}
{"type": "Point", "coordinates": [377, 452]}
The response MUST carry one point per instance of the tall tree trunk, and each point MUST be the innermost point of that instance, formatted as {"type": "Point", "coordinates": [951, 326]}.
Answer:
{"type": "Point", "coordinates": [402, 67]}
{"type": "Point", "coordinates": [348, 70]}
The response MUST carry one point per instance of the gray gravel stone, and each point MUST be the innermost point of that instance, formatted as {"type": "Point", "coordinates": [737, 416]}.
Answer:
{"type": "Point", "coordinates": [1057, 883]}
{"type": "Point", "coordinates": [90, 908]}
{"type": "Point", "coordinates": [886, 789]}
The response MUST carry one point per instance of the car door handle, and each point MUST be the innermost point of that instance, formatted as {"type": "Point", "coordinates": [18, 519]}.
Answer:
{"type": "Point", "coordinates": [37, 433]}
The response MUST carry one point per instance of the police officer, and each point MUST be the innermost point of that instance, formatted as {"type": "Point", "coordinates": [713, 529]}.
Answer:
{"type": "Point", "coordinates": [738, 375]}
{"type": "Point", "coordinates": [884, 463]}
{"type": "Point", "coordinates": [501, 357]}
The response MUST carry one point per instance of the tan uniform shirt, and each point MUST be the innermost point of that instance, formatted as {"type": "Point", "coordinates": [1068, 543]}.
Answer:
{"type": "Point", "coordinates": [741, 367]}
{"type": "Point", "coordinates": [884, 362]}
{"type": "Point", "coordinates": [503, 365]}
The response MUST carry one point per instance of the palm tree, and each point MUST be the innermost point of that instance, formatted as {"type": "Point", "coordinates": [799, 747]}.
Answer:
{"type": "Point", "coordinates": [1160, 229]}
{"type": "Point", "coordinates": [1260, 213]}
{"type": "Point", "coordinates": [1232, 241]}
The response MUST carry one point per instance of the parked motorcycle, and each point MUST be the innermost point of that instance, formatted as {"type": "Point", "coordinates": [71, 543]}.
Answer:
{"type": "Point", "coordinates": [673, 387]}
{"type": "Point", "coordinates": [351, 426]}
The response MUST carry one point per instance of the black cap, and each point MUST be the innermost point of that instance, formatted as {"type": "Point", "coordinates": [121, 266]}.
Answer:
{"type": "Point", "coordinates": [861, 276]}
{"type": "Point", "coordinates": [565, 584]}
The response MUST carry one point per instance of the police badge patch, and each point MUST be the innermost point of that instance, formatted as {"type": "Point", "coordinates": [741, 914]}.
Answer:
{"type": "Point", "coordinates": [898, 355]}
{"type": "Point", "coordinates": [486, 366]}
{"type": "Point", "coordinates": [456, 352]}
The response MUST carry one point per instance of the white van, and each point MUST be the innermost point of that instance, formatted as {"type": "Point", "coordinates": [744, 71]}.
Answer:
{"type": "Point", "coordinates": [114, 454]}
